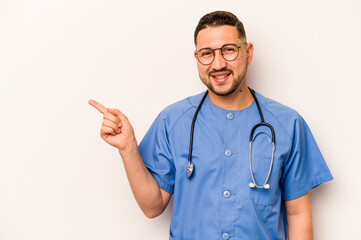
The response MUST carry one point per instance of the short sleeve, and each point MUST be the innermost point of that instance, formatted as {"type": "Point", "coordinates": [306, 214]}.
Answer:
{"type": "Point", "coordinates": [156, 154]}
{"type": "Point", "coordinates": [305, 168]}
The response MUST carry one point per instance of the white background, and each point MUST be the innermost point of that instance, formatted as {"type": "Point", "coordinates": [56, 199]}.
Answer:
{"type": "Point", "coordinates": [59, 180]}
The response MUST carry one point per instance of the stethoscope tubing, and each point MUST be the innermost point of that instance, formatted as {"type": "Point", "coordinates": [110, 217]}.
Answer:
{"type": "Point", "coordinates": [190, 167]}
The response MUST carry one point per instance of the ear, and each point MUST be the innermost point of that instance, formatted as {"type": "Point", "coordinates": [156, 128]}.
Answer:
{"type": "Point", "coordinates": [249, 49]}
{"type": "Point", "coordinates": [195, 55]}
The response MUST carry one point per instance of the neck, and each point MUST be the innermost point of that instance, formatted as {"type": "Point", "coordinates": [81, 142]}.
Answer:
{"type": "Point", "coordinates": [238, 100]}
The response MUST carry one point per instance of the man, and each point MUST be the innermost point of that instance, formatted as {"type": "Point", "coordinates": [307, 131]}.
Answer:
{"type": "Point", "coordinates": [229, 189]}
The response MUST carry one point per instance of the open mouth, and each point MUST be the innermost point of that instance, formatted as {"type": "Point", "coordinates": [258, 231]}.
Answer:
{"type": "Point", "coordinates": [220, 77]}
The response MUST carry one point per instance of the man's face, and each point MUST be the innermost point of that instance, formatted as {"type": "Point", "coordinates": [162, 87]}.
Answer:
{"type": "Point", "coordinates": [223, 77]}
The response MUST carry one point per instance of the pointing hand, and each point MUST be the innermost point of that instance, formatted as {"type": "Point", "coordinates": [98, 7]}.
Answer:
{"type": "Point", "coordinates": [116, 129]}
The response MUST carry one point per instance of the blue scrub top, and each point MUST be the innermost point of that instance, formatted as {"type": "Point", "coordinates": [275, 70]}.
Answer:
{"type": "Point", "coordinates": [217, 202]}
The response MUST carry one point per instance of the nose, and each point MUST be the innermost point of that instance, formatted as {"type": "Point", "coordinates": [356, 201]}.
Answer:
{"type": "Point", "coordinates": [218, 62]}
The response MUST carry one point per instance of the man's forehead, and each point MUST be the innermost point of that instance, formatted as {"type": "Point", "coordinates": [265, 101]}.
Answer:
{"type": "Point", "coordinates": [217, 36]}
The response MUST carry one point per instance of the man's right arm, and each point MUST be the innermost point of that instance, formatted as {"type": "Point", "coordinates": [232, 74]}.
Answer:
{"type": "Point", "coordinates": [150, 198]}
{"type": "Point", "coordinates": [118, 132]}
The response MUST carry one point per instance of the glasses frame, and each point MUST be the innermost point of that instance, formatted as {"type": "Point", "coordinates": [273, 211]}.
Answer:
{"type": "Point", "coordinates": [214, 53]}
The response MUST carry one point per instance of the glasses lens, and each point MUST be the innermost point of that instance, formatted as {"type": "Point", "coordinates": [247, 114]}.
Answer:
{"type": "Point", "coordinates": [230, 52]}
{"type": "Point", "coordinates": [205, 56]}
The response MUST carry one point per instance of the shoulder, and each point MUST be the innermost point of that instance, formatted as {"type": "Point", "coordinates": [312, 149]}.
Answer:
{"type": "Point", "coordinates": [174, 112]}
{"type": "Point", "coordinates": [287, 117]}
{"type": "Point", "coordinates": [276, 108]}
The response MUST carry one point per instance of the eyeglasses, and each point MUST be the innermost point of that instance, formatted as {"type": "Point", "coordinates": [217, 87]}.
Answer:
{"type": "Point", "coordinates": [229, 53]}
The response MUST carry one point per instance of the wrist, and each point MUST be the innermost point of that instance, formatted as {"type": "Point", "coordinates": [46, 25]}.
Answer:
{"type": "Point", "coordinates": [130, 148]}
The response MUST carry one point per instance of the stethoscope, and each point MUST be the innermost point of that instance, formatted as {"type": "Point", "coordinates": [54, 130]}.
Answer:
{"type": "Point", "coordinates": [265, 185]}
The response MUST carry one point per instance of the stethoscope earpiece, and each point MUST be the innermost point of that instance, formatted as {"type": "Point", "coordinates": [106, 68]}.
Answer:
{"type": "Point", "coordinates": [252, 185]}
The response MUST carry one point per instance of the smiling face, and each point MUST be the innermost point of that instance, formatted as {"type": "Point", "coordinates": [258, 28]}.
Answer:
{"type": "Point", "coordinates": [223, 77]}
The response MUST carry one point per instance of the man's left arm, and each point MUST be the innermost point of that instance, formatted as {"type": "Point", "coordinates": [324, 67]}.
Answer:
{"type": "Point", "coordinates": [299, 218]}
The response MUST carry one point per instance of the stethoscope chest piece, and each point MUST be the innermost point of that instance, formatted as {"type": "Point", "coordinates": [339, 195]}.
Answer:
{"type": "Point", "coordinates": [190, 169]}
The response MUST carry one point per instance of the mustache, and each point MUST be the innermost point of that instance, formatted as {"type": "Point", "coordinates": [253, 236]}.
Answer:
{"type": "Point", "coordinates": [222, 70]}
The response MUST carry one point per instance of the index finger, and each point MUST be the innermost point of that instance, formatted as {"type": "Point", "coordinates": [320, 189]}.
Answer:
{"type": "Point", "coordinates": [98, 106]}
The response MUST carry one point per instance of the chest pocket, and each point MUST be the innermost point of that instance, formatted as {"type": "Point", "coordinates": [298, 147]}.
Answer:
{"type": "Point", "coordinates": [261, 158]}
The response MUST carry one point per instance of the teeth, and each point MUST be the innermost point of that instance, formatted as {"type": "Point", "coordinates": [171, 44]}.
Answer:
{"type": "Point", "coordinates": [219, 77]}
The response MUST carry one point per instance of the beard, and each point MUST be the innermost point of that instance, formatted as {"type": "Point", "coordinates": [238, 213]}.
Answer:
{"type": "Point", "coordinates": [237, 82]}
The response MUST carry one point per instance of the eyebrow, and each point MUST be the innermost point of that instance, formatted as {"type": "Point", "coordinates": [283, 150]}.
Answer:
{"type": "Point", "coordinates": [217, 48]}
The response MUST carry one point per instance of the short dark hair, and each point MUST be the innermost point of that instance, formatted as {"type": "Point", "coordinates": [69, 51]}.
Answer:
{"type": "Point", "coordinates": [219, 18]}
